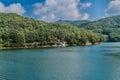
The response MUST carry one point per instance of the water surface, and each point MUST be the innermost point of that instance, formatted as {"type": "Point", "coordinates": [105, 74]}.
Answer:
{"type": "Point", "coordinates": [98, 62]}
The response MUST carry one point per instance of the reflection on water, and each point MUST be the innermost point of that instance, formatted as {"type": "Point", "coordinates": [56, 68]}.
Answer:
{"type": "Point", "coordinates": [98, 62]}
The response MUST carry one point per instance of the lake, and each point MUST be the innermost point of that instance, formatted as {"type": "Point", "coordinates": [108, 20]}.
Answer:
{"type": "Point", "coordinates": [97, 62]}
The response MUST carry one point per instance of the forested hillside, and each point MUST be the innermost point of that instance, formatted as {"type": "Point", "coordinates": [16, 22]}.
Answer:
{"type": "Point", "coordinates": [18, 31]}
{"type": "Point", "coordinates": [107, 26]}
{"type": "Point", "coordinates": [69, 22]}
{"type": "Point", "coordinates": [110, 27]}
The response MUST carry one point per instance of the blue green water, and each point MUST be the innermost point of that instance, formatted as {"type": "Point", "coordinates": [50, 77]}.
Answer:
{"type": "Point", "coordinates": [98, 62]}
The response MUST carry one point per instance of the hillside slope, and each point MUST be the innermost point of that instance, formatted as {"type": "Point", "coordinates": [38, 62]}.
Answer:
{"type": "Point", "coordinates": [109, 27]}
{"type": "Point", "coordinates": [18, 31]}
{"type": "Point", "coordinates": [69, 22]}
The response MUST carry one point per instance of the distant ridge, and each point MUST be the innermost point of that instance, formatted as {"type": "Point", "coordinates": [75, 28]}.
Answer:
{"type": "Point", "coordinates": [110, 27]}
{"type": "Point", "coordinates": [72, 22]}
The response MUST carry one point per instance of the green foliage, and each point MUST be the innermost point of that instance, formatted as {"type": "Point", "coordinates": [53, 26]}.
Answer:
{"type": "Point", "coordinates": [107, 26]}
{"type": "Point", "coordinates": [18, 31]}
{"type": "Point", "coordinates": [114, 37]}
{"type": "Point", "coordinates": [75, 23]}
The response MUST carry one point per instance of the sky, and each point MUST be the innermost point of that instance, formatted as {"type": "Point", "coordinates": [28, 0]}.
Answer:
{"type": "Point", "coordinates": [52, 10]}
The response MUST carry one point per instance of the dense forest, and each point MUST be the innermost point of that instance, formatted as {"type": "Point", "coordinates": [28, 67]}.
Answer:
{"type": "Point", "coordinates": [18, 31]}
{"type": "Point", "coordinates": [72, 22]}
{"type": "Point", "coordinates": [109, 27]}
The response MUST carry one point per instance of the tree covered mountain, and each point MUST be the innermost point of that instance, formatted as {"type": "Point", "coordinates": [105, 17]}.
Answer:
{"type": "Point", "coordinates": [18, 31]}
{"type": "Point", "coordinates": [107, 26]}
{"type": "Point", "coordinates": [69, 22]}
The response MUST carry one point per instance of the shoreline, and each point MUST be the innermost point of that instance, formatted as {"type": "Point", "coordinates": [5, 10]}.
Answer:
{"type": "Point", "coordinates": [47, 46]}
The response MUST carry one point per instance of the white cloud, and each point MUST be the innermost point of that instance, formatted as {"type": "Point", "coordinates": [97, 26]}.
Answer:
{"type": "Point", "coordinates": [12, 8]}
{"type": "Point", "coordinates": [53, 10]}
{"type": "Point", "coordinates": [113, 8]}
{"type": "Point", "coordinates": [85, 5]}
{"type": "Point", "coordinates": [85, 16]}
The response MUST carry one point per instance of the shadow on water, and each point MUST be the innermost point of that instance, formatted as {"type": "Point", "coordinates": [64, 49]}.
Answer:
{"type": "Point", "coordinates": [3, 77]}
{"type": "Point", "coordinates": [115, 55]}
{"type": "Point", "coordinates": [111, 50]}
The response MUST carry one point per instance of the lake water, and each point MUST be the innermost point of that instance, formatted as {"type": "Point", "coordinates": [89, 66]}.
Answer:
{"type": "Point", "coordinates": [97, 62]}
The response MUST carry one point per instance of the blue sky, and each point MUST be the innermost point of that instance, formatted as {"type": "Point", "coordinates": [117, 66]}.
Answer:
{"type": "Point", "coordinates": [52, 10]}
